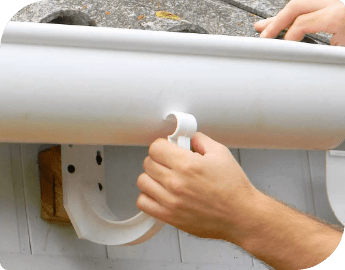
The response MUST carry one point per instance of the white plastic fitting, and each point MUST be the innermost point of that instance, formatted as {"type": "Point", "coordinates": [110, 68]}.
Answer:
{"type": "Point", "coordinates": [186, 128]}
{"type": "Point", "coordinates": [84, 194]}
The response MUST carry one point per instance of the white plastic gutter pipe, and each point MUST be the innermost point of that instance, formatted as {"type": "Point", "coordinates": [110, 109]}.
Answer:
{"type": "Point", "coordinates": [85, 85]}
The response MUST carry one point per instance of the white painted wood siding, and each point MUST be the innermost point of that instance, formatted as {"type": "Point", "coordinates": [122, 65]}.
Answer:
{"type": "Point", "coordinates": [9, 235]}
{"type": "Point", "coordinates": [296, 177]}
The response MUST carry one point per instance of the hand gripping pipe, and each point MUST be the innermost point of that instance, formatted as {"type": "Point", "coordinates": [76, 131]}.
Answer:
{"type": "Point", "coordinates": [78, 85]}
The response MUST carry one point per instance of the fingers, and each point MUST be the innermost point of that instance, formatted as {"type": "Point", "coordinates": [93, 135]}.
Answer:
{"type": "Point", "coordinates": [156, 171]}
{"type": "Point", "coordinates": [151, 207]}
{"type": "Point", "coordinates": [153, 189]}
{"type": "Point", "coordinates": [261, 25]}
{"type": "Point", "coordinates": [307, 23]}
{"type": "Point", "coordinates": [302, 19]}
{"type": "Point", "coordinates": [280, 22]}
{"type": "Point", "coordinates": [323, 20]}
{"type": "Point", "coordinates": [203, 144]}
{"type": "Point", "coordinates": [286, 17]}
{"type": "Point", "coordinates": [168, 154]}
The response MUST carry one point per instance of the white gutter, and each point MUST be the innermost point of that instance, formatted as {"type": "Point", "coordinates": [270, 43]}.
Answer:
{"type": "Point", "coordinates": [85, 85]}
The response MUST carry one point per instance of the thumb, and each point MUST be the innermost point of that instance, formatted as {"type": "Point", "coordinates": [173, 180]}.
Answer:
{"type": "Point", "coordinates": [203, 144]}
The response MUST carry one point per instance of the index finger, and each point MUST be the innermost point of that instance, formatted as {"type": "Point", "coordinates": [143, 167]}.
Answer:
{"type": "Point", "coordinates": [168, 154]}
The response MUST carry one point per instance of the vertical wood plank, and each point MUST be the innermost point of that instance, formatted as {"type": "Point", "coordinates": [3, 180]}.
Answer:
{"type": "Point", "coordinates": [123, 165]}
{"type": "Point", "coordinates": [317, 160]}
{"type": "Point", "coordinates": [18, 185]}
{"type": "Point", "coordinates": [9, 236]}
{"type": "Point", "coordinates": [46, 238]}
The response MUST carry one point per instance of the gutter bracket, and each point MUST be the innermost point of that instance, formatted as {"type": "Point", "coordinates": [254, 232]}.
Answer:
{"type": "Point", "coordinates": [84, 192]}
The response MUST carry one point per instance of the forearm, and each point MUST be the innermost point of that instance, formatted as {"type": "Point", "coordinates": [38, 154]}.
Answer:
{"type": "Point", "coordinates": [285, 238]}
{"type": "Point", "coordinates": [207, 194]}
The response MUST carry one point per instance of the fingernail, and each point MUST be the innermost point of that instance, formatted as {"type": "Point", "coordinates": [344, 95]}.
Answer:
{"type": "Point", "coordinates": [259, 23]}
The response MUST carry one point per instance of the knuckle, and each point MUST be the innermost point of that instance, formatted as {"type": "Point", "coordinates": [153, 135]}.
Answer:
{"type": "Point", "coordinates": [156, 146]}
{"type": "Point", "coordinates": [152, 148]}
{"type": "Point", "coordinates": [140, 181]}
{"type": "Point", "coordinates": [187, 166]}
{"type": "Point", "coordinates": [146, 162]}
{"type": "Point", "coordinates": [140, 202]}
{"type": "Point", "coordinates": [191, 167]}
{"type": "Point", "coordinates": [176, 187]}
{"type": "Point", "coordinates": [292, 7]}
{"type": "Point", "coordinates": [175, 204]}
{"type": "Point", "coordinates": [299, 21]}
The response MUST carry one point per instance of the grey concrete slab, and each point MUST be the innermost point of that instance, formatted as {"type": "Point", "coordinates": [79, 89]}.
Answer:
{"type": "Point", "coordinates": [263, 8]}
{"type": "Point", "coordinates": [215, 16]}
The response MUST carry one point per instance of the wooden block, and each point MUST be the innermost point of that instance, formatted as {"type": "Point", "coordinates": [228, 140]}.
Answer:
{"type": "Point", "coordinates": [52, 209]}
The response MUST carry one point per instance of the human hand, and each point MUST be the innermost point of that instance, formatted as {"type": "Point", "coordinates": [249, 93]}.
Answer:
{"type": "Point", "coordinates": [204, 193]}
{"type": "Point", "coordinates": [307, 16]}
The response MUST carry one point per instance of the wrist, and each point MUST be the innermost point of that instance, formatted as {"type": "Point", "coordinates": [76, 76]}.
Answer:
{"type": "Point", "coordinates": [245, 219]}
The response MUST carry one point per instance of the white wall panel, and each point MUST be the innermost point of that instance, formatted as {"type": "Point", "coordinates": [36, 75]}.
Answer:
{"type": "Point", "coordinates": [44, 262]}
{"type": "Point", "coordinates": [9, 236]}
{"type": "Point", "coordinates": [198, 250]}
{"type": "Point", "coordinates": [18, 187]}
{"type": "Point", "coordinates": [317, 160]}
{"type": "Point", "coordinates": [123, 165]}
{"type": "Point", "coordinates": [282, 174]}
